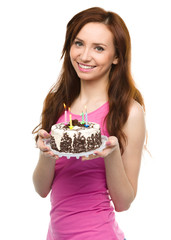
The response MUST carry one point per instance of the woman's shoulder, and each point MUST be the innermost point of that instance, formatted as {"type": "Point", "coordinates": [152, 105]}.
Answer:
{"type": "Point", "coordinates": [136, 118]}
{"type": "Point", "coordinates": [135, 110]}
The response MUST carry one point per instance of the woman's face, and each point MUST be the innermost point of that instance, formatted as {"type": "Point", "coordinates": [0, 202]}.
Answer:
{"type": "Point", "coordinates": [92, 52]}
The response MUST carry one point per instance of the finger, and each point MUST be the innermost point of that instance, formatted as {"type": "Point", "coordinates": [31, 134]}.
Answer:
{"type": "Point", "coordinates": [103, 153]}
{"type": "Point", "coordinates": [50, 154]}
{"type": "Point", "coordinates": [43, 134]}
{"type": "Point", "coordinates": [106, 151]}
{"type": "Point", "coordinates": [90, 157]}
{"type": "Point", "coordinates": [40, 143]}
{"type": "Point", "coordinates": [42, 146]}
{"type": "Point", "coordinates": [112, 141]}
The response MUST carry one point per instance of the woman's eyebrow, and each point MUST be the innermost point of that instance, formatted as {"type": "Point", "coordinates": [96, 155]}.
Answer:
{"type": "Point", "coordinates": [96, 44]}
{"type": "Point", "coordinates": [79, 39]}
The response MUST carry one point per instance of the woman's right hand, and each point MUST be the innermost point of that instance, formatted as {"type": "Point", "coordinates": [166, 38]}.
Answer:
{"type": "Point", "coordinates": [42, 134]}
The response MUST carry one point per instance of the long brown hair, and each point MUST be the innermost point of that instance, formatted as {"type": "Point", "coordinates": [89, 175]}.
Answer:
{"type": "Point", "coordinates": [121, 88]}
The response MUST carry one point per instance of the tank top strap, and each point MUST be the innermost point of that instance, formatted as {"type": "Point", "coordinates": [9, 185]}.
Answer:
{"type": "Point", "coordinates": [99, 116]}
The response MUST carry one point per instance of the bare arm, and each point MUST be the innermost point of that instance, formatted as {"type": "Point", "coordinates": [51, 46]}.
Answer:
{"type": "Point", "coordinates": [122, 171]}
{"type": "Point", "coordinates": [44, 172]}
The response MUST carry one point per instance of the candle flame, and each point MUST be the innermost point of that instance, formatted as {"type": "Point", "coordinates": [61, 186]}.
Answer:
{"type": "Point", "coordinates": [64, 106]}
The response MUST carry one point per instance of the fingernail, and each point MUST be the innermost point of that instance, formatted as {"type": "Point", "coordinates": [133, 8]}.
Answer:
{"type": "Point", "coordinates": [46, 134]}
{"type": "Point", "coordinates": [46, 149]}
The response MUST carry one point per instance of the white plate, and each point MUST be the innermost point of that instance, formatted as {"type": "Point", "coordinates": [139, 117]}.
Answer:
{"type": "Point", "coordinates": [77, 155]}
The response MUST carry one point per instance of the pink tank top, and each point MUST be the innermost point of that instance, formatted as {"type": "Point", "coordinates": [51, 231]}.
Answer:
{"type": "Point", "coordinates": [81, 208]}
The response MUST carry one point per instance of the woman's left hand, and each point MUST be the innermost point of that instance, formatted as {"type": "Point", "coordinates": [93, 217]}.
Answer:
{"type": "Point", "coordinates": [111, 145]}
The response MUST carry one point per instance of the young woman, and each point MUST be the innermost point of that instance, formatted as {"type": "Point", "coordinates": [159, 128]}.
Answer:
{"type": "Point", "coordinates": [96, 72]}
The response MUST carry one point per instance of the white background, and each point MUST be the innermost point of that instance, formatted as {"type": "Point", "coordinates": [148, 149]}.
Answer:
{"type": "Point", "coordinates": [32, 35]}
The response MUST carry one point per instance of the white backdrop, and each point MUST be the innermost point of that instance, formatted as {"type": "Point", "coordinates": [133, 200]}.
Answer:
{"type": "Point", "coordinates": [32, 35]}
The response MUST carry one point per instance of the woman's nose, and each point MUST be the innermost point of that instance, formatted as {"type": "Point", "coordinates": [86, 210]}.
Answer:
{"type": "Point", "coordinates": [85, 55]}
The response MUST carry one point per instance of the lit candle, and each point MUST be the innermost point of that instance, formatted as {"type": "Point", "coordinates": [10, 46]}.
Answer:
{"type": "Point", "coordinates": [82, 114]}
{"type": "Point", "coordinates": [86, 125]}
{"type": "Point", "coordinates": [65, 114]}
{"type": "Point", "coordinates": [70, 120]}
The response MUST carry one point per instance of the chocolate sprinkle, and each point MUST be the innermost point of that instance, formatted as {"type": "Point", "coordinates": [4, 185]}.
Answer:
{"type": "Point", "coordinates": [53, 144]}
{"type": "Point", "coordinates": [65, 144]}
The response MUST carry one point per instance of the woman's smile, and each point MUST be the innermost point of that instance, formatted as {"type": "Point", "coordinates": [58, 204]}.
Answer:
{"type": "Point", "coordinates": [85, 68]}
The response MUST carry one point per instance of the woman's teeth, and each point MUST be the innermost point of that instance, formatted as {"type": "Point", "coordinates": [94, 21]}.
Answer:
{"type": "Point", "coordinates": [85, 66]}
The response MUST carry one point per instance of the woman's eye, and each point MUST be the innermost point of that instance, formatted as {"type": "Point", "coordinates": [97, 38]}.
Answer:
{"type": "Point", "coordinates": [77, 43]}
{"type": "Point", "coordinates": [99, 49]}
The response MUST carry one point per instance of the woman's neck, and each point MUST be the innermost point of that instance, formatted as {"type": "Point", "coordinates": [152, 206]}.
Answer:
{"type": "Point", "coordinates": [93, 94]}
{"type": "Point", "coordinates": [93, 90]}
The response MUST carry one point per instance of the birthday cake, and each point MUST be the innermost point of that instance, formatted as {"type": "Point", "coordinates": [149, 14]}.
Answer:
{"type": "Point", "coordinates": [79, 138]}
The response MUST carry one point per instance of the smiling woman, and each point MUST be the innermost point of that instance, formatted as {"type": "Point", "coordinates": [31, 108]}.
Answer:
{"type": "Point", "coordinates": [96, 73]}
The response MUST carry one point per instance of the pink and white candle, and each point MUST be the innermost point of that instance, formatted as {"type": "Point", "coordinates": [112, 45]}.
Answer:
{"type": "Point", "coordinates": [65, 114]}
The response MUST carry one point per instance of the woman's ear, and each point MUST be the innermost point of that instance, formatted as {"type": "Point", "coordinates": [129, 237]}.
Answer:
{"type": "Point", "coordinates": [115, 61]}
